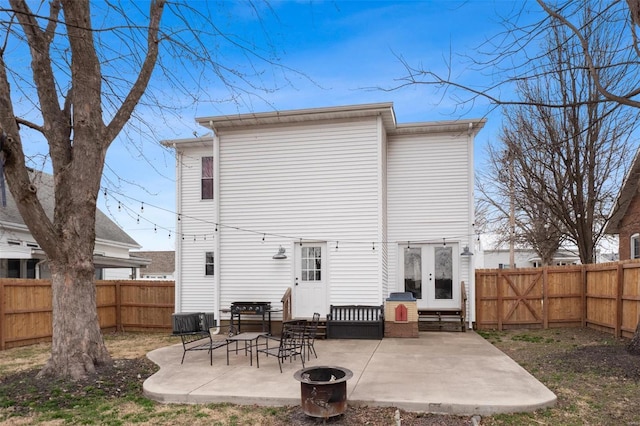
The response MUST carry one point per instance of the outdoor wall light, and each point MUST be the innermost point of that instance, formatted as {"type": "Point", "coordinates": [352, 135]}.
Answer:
{"type": "Point", "coordinates": [280, 254]}
{"type": "Point", "coordinates": [466, 252]}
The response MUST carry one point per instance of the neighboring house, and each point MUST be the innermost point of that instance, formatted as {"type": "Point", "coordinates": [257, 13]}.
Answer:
{"type": "Point", "coordinates": [625, 217]}
{"type": "Point", "coordinates": [493, 254]}
{"type": "Point", "coordinates": [161, 267]}
{"type": "Point", "coordinates": [342, 205]}
{"type": "Point", "coordinates": [21, 257]}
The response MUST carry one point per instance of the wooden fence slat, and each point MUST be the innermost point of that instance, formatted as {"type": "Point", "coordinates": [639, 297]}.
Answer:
{"type": "Point", "coordinates": [602, 296]}
{"type": "Point", "coordinates": [26, 311]}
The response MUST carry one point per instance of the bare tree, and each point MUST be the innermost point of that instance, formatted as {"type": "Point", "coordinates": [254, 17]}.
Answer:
{"type": "Point", "coordinates": [85, 82]}
{"type": "Point", "coordinates": [613, 74]}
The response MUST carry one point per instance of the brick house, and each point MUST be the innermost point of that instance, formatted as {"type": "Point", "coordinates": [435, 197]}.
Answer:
{"type": "Point", "coordinates": [625, 219]}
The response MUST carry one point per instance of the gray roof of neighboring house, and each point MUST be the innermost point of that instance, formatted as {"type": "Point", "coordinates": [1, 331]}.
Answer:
{"type": "Point", "coordinates": [106, 229]}
{"type": "Point", "coordinates": [162, 262]}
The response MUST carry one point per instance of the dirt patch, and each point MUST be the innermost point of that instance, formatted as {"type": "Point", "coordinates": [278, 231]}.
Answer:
{"type": "Point", "coordinates": [595, 379]}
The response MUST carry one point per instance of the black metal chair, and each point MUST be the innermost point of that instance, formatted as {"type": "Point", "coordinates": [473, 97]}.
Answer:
{"type": "Point", "coordinates": [310, 336]}
{"type": "Point", "coordinates": [194, 331]}
{"type": "Point", "coordinates": [290, 345]}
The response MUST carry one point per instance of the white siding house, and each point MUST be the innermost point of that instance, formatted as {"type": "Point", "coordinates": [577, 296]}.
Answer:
{"type": "Point", "coordinates": [22, 257]}
{"type": "Point", "coordinates": [361, 205]}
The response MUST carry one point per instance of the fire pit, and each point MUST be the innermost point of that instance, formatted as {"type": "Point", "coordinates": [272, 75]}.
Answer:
{"type": "Point", "coordinates": [323, 390]}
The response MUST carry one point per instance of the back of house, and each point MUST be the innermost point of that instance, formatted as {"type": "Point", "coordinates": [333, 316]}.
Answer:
{"type": "Point", "coordinates": [341, 205]}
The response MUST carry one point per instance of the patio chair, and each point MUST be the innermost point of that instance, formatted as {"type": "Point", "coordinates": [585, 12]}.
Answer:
{"type": "Point", "coordinates": [310, 336]}
{"type": "Point", "coordinates": [290, 345]}
{"type": "Point", "coordinates": [194, 331]}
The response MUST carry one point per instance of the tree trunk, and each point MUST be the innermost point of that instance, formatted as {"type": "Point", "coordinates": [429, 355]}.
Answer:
{"type": "Point", "coordinates": [77, 347]}
{"type": "Point", "coordinates": [634, 345]}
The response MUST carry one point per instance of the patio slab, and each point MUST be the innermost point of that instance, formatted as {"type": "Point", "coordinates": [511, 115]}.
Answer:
{"type": "Point", "coordinates": [439, 372]}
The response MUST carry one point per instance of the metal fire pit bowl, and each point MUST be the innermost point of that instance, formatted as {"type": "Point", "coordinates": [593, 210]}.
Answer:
{"type": "Point", "coordinates": [323, 390]}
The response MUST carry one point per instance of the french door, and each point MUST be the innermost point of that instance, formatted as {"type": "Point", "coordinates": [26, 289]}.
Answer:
{"type": "Point", "coordinates": [431, 274]}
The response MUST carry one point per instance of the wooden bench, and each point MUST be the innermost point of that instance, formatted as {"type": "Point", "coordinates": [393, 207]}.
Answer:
{"type": "Point", "coordinates": [194, 331]}
{"type": "Point", "coordinates": [355, 322]}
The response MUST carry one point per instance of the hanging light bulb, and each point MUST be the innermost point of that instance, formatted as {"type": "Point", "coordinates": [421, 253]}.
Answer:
{"type": "Point", "coordinates": [178, 217]}
{"type": "Point", "coordinates": [119, 206]}
{"type": "Point", "coordinates": [373, 246]}
{"type": "Point", "coordinates": [142, 208]}
{"type": "Point", "coordinates": [138, 220]}
{"type": "Point", "coordinates": [155, 229]}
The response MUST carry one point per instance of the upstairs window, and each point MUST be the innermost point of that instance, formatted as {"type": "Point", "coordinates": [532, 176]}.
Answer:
{"type": "Point", "coordinates": [207, 178]}
{"type": "Point", "coordinates": [208, 263]}
{"type": "Point", "coordinates": [635, 246]}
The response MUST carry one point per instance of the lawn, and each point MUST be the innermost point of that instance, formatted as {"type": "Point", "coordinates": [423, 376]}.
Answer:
{"type": "Point", "coordinates": [596, 381]}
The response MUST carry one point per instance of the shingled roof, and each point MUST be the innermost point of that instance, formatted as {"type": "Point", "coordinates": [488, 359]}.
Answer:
{"type": "Point", "coordinates": [162, 262]}
{"type": "Point", "coordinates": [106, 229]}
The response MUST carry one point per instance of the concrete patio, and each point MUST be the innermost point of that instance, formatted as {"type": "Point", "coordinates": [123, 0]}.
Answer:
{"type": "Point", "coordinates": [451, 373]}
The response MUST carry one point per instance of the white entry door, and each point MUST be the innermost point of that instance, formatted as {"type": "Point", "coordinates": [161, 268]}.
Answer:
{"type": "Point", "coordinates": [310, 287]}
{"type": "Point", "coordinates": [431, 274]}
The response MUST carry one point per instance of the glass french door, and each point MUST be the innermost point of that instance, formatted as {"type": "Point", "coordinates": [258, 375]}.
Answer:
{"type": "Point", "coordinates": [431, 275]}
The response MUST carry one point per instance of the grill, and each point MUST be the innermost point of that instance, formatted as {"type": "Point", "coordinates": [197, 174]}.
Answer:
{"type": "Point", "coordinates": [250, 308]}
{"type": "Point", "coordinates": [261, 309]}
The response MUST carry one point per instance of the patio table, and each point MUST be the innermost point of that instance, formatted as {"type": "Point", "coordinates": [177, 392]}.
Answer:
{"type": "Point", "coordinates": [250, 340]}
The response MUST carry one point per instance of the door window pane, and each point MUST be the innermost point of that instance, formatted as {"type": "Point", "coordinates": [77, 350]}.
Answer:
{"type": "Point", "coordinates": [413, 271]}
{"type": "Point", "coordinates": [443, 272]}
{"type": "Point", "coordinates": [311, 263]}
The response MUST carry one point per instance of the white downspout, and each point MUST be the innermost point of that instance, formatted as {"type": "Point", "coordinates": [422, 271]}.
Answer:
{"type": "Point", "coordinates": [471, 272]}
{"type": "Point", "coordinates": [178, 241]}
{"type": "Point", "coordinates": [216, 207]}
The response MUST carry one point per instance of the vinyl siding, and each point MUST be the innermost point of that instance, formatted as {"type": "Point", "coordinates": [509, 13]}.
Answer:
{"type": "Point", "coordinates": [315, 182]}
{"type": "Point", "coordinates": [196, 291]}
{"type": "Point", "coordinates": [428, 195]}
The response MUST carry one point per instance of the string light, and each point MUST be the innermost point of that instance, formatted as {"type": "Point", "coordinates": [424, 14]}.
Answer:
{"type": "Point", "coordinates": [122, 206]}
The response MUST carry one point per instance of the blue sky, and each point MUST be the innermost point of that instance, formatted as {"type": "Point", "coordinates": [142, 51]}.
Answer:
{"type": "Point", "coordinates": [346, 50]}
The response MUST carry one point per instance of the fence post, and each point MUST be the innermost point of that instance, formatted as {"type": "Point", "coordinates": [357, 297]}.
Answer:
{"type": "Point", "coordinates": [583, 289]}
{"type": "Point", "coordinates": [2, 318]}
{"type": "Point", "coordinates": [499, 298]}
{"type": "Point", "coordinates": [119, 326]}
{"type": "Point", "coordinates": [545, 297]}
{"type": "Point", "coordinates": [620, 289]}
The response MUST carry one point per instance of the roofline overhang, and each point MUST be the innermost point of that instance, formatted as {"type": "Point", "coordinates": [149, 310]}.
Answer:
{"type": "Point", "coordinates": [104, 261]}
{"type": "Point", "coordinates": [384, 110]}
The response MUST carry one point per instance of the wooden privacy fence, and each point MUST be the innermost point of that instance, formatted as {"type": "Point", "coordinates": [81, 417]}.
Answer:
{"type": "Point", "coordinates": [602, 296]}
{"type": "Point", "coordinates": [26, 310]}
